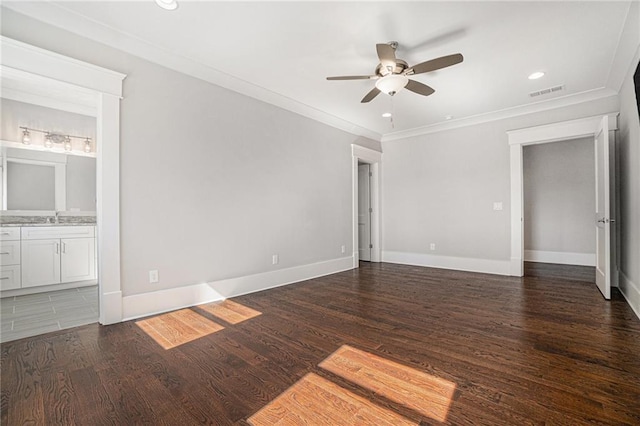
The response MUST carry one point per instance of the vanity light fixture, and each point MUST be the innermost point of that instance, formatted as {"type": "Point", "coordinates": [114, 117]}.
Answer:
{"type": "Point", "coordinates": [51, 139]}
{"type": "Point", "coordinates": [26, 137]}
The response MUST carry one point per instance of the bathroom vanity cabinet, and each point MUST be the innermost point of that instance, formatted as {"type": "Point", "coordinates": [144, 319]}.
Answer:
{"type": "Point", "coordinates": [49, 255]}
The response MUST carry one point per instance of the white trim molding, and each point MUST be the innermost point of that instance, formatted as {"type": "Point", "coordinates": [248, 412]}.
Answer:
{"type": "Point", "coordinates": [562, 258]}
{"type": "Point", "coordinates": [105, 85]}
{"type": "Point", "coordinates": [560, 102]}
{"type": "Point", "coordinates": [141, 305]}
{"type": "Point", "coordinates": [488, 266]}
{"type": "Point", "coordinates": [519, 138]}
{"type": "Point", "coordinates": [374, 158]}
{"type": "Point", "coordinates": [630, 291]}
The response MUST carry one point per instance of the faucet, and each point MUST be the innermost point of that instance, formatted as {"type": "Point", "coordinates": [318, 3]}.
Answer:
{"type": "Point", "coordinates": [57, 216]}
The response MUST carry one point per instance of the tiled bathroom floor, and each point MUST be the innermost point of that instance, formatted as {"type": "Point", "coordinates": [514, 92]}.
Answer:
{"type": "Point", "coordinates": [33, 314]}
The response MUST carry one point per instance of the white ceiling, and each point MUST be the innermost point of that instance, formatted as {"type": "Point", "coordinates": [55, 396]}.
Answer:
{"type": "Point", "coordinates": [281, 52]}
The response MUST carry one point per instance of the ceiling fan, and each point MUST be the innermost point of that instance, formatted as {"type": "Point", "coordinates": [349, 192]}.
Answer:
{"type": "Point", "coordinates": [391, 74]}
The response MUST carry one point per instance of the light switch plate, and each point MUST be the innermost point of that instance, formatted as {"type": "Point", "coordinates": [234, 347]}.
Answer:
{"type": "Point", "coordinates": [497, 205]}
{"type": "Point", "coordinates": [154, 276]}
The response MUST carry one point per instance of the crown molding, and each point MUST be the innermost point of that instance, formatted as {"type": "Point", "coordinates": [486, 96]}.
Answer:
{"type": "Point", "coordinates": [564, 101]}
{"type": "Point", "coordinates": [59, 16]}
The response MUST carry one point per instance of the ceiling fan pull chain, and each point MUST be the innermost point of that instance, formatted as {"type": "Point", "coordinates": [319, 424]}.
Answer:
{"type": "Point", "coordinates": [393, 112]}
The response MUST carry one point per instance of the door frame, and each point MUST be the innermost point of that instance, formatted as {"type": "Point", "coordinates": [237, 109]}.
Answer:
{"type": "Point", "coordinates": [555, 132]}
{"type": "Point", "coordinates": [374, 159]}
{"type": "Point", "coordinates": [106, 85]}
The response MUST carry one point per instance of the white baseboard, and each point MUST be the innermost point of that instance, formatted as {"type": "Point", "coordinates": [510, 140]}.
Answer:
{"type": "Point", "coordinates": [140, 305]}
{"type": "Point", "coordinates": [563, 258]}
{"type": "Point", "coordinates": [630, 291]}
{"type": "Point", "coordinates": [489, 266]}
{"type": "Point", "coordinates": [110, 307]}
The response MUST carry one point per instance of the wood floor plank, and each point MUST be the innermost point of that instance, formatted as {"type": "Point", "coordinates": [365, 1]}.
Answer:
{"type": "Point", "coordinates": [317, 401]}
{"type": "Point", "coordinates": [542, 349]}
{"type": "Point", "coordinates": [229, 311]}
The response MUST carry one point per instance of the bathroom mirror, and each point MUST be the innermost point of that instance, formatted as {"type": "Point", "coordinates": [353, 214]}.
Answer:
{"type": "Point", "coordinates": [47, 181]}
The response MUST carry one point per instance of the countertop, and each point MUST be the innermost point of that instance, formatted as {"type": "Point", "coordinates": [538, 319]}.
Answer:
{"type": "Point", "coordinates": [46, 224]}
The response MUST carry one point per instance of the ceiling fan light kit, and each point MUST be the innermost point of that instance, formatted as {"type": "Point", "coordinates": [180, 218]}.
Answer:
{"type": "Point", "coordinates": [392, 83]}
{"type": "Point", "coordinates": [391, 74]}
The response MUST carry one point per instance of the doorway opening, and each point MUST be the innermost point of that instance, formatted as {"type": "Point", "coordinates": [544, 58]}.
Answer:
{"type": "Point", "coordinates": [559, 204]}
{"type": "Point", "coordinates": [601, 131]}
{"type": "Point", "coordinates": [100, 90]}
{"type": "Point", "coordinates": [366, 191]}
{"type": "Point", "coordinates": [364, 211]}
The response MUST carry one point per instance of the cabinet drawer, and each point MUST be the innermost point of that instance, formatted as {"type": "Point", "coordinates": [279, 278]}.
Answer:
{"type": "Point", "coordinates": [9, 253]}
{"type": "Point", "coordinates": [47, 232]}
{"type": "Point", "coordinates": [10, 277]}
{"type": "Point", "coordinates": [8, 233]}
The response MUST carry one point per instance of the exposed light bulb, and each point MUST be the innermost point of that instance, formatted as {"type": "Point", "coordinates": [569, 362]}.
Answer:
{"type": "Point", "coordinates": [87, 145]}
{"type": "Point", "coordinates": [67, 144]}
{"type": "Point", "coordinates": [26, 137]}
{"type": "Point", "coordinates": [47, 141]}
{"type": "Point", "coordinates": [386, 114]}
{"type": "Point", "coordinates": [536, 75]}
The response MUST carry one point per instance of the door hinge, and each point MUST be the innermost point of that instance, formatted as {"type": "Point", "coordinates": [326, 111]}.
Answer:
{"type": "Point", "coordinates": [370, 210]}
{"type": "Point", "coordinates": [370, 174]}
{"type": "Point", "coordinates": [370, 245]}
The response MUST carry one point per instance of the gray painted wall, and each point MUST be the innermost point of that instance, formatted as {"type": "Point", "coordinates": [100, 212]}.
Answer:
{"type": "Point", "coordinates": [559, 196]}
{"type": "Point", "coordinates": [441, 187]}
{"type": "Point", "coordinates": [629, 173]}
{"type": "Point", "coordinates": [213, 182]}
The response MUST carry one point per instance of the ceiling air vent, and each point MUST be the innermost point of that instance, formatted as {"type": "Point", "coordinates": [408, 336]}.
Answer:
{"type": "Point", "coordinates": [547, 91]}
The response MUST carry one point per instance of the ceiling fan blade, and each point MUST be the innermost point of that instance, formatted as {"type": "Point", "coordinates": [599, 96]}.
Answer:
{"type": "Point", "coordinates": [369, 96]}
{"type": "Point", "coordinates": [419, 88]}
{"type": "Point", "coordinates": [435, 64]}
{"type": "Point", "coordinates": [387, 56]}
{"type": "Point", "coordinates": [353, 77]}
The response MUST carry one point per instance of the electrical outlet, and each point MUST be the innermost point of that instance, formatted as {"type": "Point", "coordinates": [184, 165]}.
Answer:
{"type": "Point", "coordinates": [432, 246]}
{"type": "Point", "coordinates": [153, 276]}
{"type": "Point", "coordinates": [275, 259]}
{"type": "Point", "coordinates": [343, 248]}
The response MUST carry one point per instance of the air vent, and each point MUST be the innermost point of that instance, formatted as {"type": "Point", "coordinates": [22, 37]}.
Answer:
{"type": "Point", "coordinates": [547, 91]}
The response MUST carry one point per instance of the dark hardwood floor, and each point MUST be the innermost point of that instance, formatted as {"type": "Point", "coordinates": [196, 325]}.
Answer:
{"type": "Point", "coordinates": [490, 350]}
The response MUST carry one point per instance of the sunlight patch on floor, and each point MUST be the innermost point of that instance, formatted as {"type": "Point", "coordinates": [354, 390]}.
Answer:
{"type": "Point", "coordinates": [178, 327]}
{"type": "Point", "coordinates": [230, 311]}
{"type": "Point", "coordinates": [421, 392]}
{"type": "Point", "coordinates": [314, 400]}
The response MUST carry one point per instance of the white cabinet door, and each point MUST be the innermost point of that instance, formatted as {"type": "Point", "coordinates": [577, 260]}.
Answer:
{"type": "Point", "coordinates": [78, 259]}
{"type": "Point", "coordinates": [40, 262]}
{"type": "Point", "coordinates": [10, 277]}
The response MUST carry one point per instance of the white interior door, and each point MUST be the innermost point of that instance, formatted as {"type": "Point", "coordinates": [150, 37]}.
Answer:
{"type": "Point", "coordinates": [364, 212]}
{"type": "Point", "coordinates": [604, 252]}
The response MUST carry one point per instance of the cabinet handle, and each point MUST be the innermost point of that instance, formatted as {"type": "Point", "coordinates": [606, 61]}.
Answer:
{"type": "Point", "coordinates": [64, 247]}
{"type": "Point", "coordinates": [6, 233]}
{"type": "Point", "coordinates": [57, 248]}
{"type": "Point", "coordinates": [5, 252]}
{"type": "Point", "coordinates": [4, 278]}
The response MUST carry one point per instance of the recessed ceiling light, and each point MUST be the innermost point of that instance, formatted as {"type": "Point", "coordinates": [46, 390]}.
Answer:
{"type": "Point", "coordinates": [167, 4]}
{"type": "Point", "coordinates": [386, 115]}
{"type": "Point", "coordinates": [448, 117]}
{"type": "Point", "coordinates": [536, 75]}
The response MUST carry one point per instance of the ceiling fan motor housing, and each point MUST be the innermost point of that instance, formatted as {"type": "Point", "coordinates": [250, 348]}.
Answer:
{"type": "Point", "coordinates": [401, 66]}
